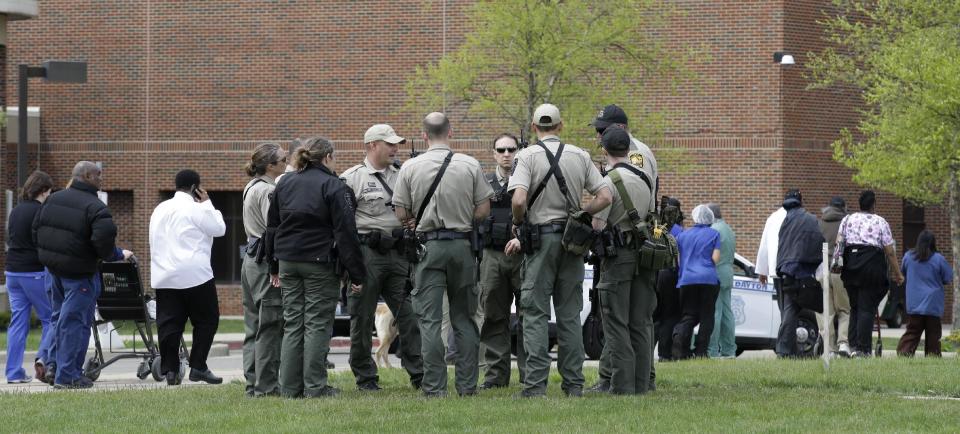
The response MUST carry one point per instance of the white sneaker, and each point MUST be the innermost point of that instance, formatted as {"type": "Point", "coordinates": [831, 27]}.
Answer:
{"type": "Point", "coordinates": [844, 350]}
{"type": "Point", "coordinates": [20, 381]}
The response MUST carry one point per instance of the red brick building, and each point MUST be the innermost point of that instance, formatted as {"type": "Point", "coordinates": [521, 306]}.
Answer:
{"type": "Point", "coordinates": [177, 85]}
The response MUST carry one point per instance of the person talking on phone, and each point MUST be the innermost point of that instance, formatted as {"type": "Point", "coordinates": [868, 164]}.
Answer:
{"type": "Point", "coordinates": [182, 230]}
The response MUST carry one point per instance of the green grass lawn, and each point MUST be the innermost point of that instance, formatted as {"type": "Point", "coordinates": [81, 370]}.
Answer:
{"type": "Point", "coordinates": [126, 330]}
{"type": "Point", "coordinates": [695, 396]}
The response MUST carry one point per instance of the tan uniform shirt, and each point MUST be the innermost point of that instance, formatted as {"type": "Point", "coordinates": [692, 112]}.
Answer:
{"type": "Point", "coordinates": [374, 206]}
{"type": "Point", "coordinates": [256, 204]}
{"type": "Point", "coordinates": [462, 188]}
{"type": "Point", "coordinates": [578, 170]}
{"type": "Point", "coordinates": [616, 213]}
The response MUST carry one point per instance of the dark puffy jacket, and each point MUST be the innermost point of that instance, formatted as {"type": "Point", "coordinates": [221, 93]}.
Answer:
{"type": "Point", "coordinates": [800, 240]}
{"type": "Point", "coordinates": [74, 231]}
{"type": "Point", "coordinates": [830, 226]}
{"type": "Point", "coordinates": [311, 212]}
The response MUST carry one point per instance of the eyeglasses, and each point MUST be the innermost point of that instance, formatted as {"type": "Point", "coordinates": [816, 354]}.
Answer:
{"type": "Point", "coordinates": [502, 150]}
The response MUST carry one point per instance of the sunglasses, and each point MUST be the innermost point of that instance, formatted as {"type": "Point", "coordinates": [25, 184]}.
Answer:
{"type": "Point", "coordinates": [502, 150]}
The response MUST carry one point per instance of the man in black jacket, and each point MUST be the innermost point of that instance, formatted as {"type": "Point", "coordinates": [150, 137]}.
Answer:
{"type": "Point", "coordinates": [798, 257]}
{"type": "Point", "coordinates": [74, 231]}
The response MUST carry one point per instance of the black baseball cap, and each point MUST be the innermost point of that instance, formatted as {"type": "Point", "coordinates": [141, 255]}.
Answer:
{"type": "Point", "coordinates": [615, 140]}
{"type": "Point", "coordinates": [792, 197]}
{"type": "Point", "coordinates": [838, 202]}
{"type": "Point", "coordinates": [611, 114]}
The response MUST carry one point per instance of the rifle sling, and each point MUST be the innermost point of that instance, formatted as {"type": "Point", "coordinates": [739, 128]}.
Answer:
{"type": "Point", "coordinates": [433, 187]}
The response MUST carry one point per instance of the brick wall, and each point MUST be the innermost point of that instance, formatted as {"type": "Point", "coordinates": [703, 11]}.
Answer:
{"type": "Point", "coordinates": [196, 84]}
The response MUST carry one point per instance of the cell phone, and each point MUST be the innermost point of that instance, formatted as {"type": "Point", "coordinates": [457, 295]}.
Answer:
{"type": "Point", "coordinates": [195, 191]}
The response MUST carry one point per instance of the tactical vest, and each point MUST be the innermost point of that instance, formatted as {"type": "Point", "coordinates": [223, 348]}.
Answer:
{"type": "Point", "coordinates": [498, 229]}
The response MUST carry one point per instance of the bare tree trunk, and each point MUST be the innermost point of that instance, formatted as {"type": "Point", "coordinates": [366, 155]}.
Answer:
{"type": "Point", "coordinates": [954, 212]}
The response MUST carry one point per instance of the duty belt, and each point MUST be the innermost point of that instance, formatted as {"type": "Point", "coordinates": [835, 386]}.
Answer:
{"type": "Point", "coordinates": [382, 241]}
{"type": "Point", "coordinates": [443, 234]}
{"type": "Point", "coordinates": [552, 228]}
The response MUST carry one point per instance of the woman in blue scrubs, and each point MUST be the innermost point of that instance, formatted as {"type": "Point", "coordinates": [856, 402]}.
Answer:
{"type": "Point", "coordinates": [25, 280]}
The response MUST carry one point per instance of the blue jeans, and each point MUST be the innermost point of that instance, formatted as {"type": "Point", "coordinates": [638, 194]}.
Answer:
{"type": "Point", "coordinates": [77, 299]}
{"type": "Point", "coordinates": [26, 291]}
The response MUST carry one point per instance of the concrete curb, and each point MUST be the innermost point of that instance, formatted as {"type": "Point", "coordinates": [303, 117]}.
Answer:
{"type": "Point", "coordinates": [219, 349]}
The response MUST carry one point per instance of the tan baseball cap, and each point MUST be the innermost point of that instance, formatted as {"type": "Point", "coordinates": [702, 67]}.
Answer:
{"type": "Point", "coordinates": [382, 132]}
{"type": "Point", "coordinates": [546, 115]}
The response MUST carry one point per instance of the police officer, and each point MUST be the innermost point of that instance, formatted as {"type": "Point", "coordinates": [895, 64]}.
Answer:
{"type": "Point", "coordinates": [642, 157]}
{"type": "Point", "coordinates": [551, 270]}
{"type": "Point", "coordinates": [499, 273]}
{"type": "Point", "coordinates": [311, 211]}
{"type": "Point", "coordinates": [443, 195]}
{"type": "Point", "coordinates": [387, 269]}
{"type": "Point", "coordinates": [74, 232]}
{"type": "Point", "coordinates": [639, 154]}
{"type": "Point", "coordinates": [628, 291]}
{"type": "Point", "coordinates": [262, 303]}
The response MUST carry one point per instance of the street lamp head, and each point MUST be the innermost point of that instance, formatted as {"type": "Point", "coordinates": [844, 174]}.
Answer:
{"type": "Point", "coordinates": [65, 72]}
{"type": "Point", "coordinates": [783, 58]}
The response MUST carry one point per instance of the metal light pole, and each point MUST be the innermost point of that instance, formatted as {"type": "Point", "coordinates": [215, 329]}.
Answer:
{"type": "Point", "coordinates": [52, 71]}
{"type": "Point", "coordinates": [784, 60]}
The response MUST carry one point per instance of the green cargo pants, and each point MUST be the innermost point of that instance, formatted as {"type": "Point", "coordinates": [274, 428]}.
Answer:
{"type": "Point", "coordinates": [723, 340]}
{"type": "Point", "coordinates": [386, 277]}
{"type": "Point", "coordinates": [553, 272]}
{"type": "Point", "coordinates": [500, 277]}
{"type": "Point", "coordinates": [448, 266]}
{"type": "Point", "coordinates": [629, 299]}
{"type": "Point", "coordinates": [310, 295]}
{"type": "Point", "coordinates": [605, 371]}
{"type": "Point", "coordinates": [263, 328]}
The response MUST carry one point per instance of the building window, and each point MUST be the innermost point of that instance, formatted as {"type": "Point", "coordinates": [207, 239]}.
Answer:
{"type": "Point", "coordinates": [913, 224]}
{"type": "Point", "coordinates": [225, 258]}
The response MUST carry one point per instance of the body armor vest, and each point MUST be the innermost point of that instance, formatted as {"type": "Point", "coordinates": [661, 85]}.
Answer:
{"type": "Point", "coordinates": [498, 228]}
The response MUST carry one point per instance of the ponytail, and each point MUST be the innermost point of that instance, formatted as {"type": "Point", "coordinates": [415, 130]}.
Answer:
{"type": "Point", "coordinates": [263, 155]}
{"type": "Point", "coordinates": [312, 153]}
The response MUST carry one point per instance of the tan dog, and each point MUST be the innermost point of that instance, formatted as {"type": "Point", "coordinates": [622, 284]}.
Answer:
{"type": "Point", "coordinates": [387, 332]}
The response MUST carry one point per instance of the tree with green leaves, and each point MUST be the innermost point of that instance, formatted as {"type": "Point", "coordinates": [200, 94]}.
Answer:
{"type": "Point", "coordinates": [904, 55]}
{"type": "Point", "coordinates": [578, 54]}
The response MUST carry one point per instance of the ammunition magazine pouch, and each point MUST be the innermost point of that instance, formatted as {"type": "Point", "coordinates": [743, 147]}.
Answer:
{"type": "Point", "coordinates": [496, 235]}
{"type": "Point", "coordinates": [529, 238]}
{"type": "Point", "coordinates": [578, 234]}
{"type": "Point", "coordinates": [658, 249]}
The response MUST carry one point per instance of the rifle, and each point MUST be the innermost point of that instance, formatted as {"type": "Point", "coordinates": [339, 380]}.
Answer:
{"type": "Point", "coordinates": [413, 150]}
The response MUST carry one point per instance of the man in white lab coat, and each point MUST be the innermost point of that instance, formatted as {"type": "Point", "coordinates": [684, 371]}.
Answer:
{"type": "Point", "coordinates": [181, 238]}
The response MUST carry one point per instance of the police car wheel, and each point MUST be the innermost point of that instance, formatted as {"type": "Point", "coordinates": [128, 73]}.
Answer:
{"type": "Point", "coordinates": [812, 344]}
{"type": "Point", "coordinates": [92, 365]}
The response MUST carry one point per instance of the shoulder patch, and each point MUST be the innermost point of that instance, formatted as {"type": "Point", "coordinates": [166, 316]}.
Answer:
{"type": "Point", "coordinates": [352, 170]}
{"type": "Point", "coordinates": [637, 160]}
